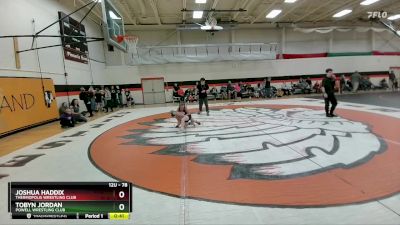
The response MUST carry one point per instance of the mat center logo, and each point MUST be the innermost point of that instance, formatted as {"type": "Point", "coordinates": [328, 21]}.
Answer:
{"type": "Point", "coordinates": [268, 144]}
{"type": "Point", "coordinates": [269, 155]}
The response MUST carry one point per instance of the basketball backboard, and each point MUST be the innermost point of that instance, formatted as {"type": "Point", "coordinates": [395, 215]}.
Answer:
{"type": "Point", "coordinates": [113, 25]}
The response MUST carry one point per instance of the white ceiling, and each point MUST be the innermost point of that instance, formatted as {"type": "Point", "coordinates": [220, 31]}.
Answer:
{"type": "Point", "coordinates": [167, 14]}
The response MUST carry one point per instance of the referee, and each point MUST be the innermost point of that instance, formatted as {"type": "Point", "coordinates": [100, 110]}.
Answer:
{"type": "Point", "coordinates": [203, 88]}
{"type": "Point", "coordinates": [328, 90]}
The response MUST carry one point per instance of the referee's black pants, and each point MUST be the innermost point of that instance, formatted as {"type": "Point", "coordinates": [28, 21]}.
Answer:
{"type": "Point", "coordinates": [331, 99]}
{"type": "Point", "coordinates": [201, 101]}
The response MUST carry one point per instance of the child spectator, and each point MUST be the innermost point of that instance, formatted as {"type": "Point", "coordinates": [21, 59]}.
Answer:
{"type": "Point", "coordinates": [66, 119]}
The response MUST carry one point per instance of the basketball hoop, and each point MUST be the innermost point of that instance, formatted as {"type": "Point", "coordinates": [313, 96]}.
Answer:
{"type": "Point", "coordinates": [130, 40]}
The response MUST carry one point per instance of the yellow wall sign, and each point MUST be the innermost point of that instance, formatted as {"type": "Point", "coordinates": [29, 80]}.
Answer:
{"type": "Point", "coordinates": [26, 102]}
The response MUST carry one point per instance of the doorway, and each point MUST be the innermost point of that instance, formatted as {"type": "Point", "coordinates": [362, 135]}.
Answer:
{"type": "Point", "coordinates": [153, 90]}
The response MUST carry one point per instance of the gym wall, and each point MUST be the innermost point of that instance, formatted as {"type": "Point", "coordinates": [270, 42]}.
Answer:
{"type": "Point", "coordinates": [16, 19]}
{"type": "Point", "coordinates": [114, 70]}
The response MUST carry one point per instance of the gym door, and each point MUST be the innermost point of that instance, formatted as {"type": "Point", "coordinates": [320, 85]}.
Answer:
{"type": "Point", "coordinates": [153, 91]}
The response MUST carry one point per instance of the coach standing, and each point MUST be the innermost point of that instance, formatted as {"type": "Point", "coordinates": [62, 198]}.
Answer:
{"type": "Point", "coordinates": [202, 88]}
{"type": "Point", "coordinates": [328, 90]}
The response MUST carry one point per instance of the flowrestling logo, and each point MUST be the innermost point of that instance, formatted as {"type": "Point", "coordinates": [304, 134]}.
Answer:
{"type": "Point", "coordinates": [377, 14]}
{"type": "Point", "coordinates": [270, 155]}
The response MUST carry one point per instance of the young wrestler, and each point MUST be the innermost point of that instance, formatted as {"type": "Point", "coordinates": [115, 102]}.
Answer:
{"type": "Point", "coordinates": [183, 120]}
{"type": "Point", "coordinates": [183, 116]}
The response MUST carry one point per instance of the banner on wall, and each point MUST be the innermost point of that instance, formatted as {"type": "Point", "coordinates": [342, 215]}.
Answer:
{"type": "Point", "coordinates": [324, 30]}
{"type": "Point", "coordinates": [25, 102]}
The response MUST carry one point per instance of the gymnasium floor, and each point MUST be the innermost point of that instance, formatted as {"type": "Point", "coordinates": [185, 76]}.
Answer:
{"type": "Point", "coordinates": [275, 161]}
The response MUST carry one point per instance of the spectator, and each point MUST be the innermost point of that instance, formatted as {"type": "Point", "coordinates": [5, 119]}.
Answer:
{"type": "Point", "coordinates": [241, 84]}
{"type": "Point", "coordinates": [62, 108]}
{"type": "Point", "coordinates": [202, 89]}
{"type": "Point", "coordinates": [309, 82]}
{"type": "Point", "coordinates": [92, 96]}
{"type": "Point", "coordinates": [393, 81]}
{"type": "Point", "coordinates": [66, 119]}
{"type": "Point", "coordinates": [365, 83]}
{"type": "Point", "coordinates": [342, 84]}
{"type": "Point", "coordinates": [287, 88]}
{"type": "Point", "coordinates": [383, 84]}
{"type": "Point", "coordinates": [104, 102]}
{"type": "Point", "coordinates": [257, 91]}
{"type": "Point", "coordinates": [129, 98]}
{"type": "Point", "coordinates": [192, 94]}
{"type": "Point", "coordinates": [238, 92]}
{"type": "Point", "coordinates": [317, 87]}
{"type": "Point", "coordinates": [86, 98]}
{"type": "Point", "coordinates": [349, 84]}
{"type": "Point", "coordinates": [224, 93]}
{"type": "Point", "coordinates": [114, 97]}
{"type": "Point", "coordinates": [355, 80]}
{"type": "Point", "coordinates": [267, 87]}
{"type": "Point", "coordinates": [214, 92]}
{"type": "Point", "coordinates": [119, 97]}
{"type": "Point", "coordinates": [196, 91]}
{"type": "Point", "coordinates": [108, 99]}
{"type": "Point", "coordinates": [304, 86]}
{"type": "Point", "coordinates": [78, 117]}
{"type": "Point", "coordinates": [230, 89]}
{"type": "Point", "coordinates": [123, 98]}
{"type": "Point", "coordinates": [99, 100]}
{"type": "Point", "coordinates": [175, 90]}
{"type": "Point", "coordinates": [181, 94]}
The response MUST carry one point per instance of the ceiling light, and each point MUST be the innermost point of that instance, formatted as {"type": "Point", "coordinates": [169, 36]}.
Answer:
{"type": "Point", "coordinates": [197, 14]}
{"type": "Point", "coordinates": [274, 13]}
{"type": "Point", "coordinates": [290, 1]}
{"type": "Point", "coordinates": [208, 27]}
{"type": "Point", "coordinates": [113, 16]}
{"type": "Point", "coordinates": [394, 17]}
{"type": "Point", "coordinates": [201, 1]}
{"type": "Point", "coordinates": [342, 13]}
{"type": "Point", "coordinates": [368, 2]}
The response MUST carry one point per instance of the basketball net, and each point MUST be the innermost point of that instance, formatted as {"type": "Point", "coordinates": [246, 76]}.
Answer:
{"type": "Point", "coordinates": [130, 41]}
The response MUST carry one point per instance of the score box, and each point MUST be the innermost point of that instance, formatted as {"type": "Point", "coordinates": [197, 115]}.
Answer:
{"type": "Point", "coordinates": [69, 200]}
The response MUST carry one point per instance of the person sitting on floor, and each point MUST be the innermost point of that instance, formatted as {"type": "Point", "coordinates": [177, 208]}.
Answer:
{"type": "Point", "coordinates": [383, 84]}
{"type": "Point", "coordinates": [230, 90]}
{"type": "Point", "coordinates": [78, 117]}
{"type": "Point", "coordinates": [366, 84]}
{"type": "Point", "coordinates": [62, 108]}
{"type": "Point", "coordinates": [257, 91]}
{"type": "Point", "coordinates": [129, 98]}
{"type": "Point", "coordinates": [190, 94]}
{"type": "Point", "coordinates": [317, 87]}
{"type": "Point", "coordinates": [287, 88]}
{"type": "Point", "coordinates": [238, 91]}
{"type": "Point", "coordinates": [214, 92]}
{"type": "Point", "coordinates": [67, 119]}
{"type": "Point", "coordinates": [223, 92]}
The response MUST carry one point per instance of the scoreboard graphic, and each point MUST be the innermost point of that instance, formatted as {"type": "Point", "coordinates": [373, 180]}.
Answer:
{"type": "Point", "coordinates": [70, 200]}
